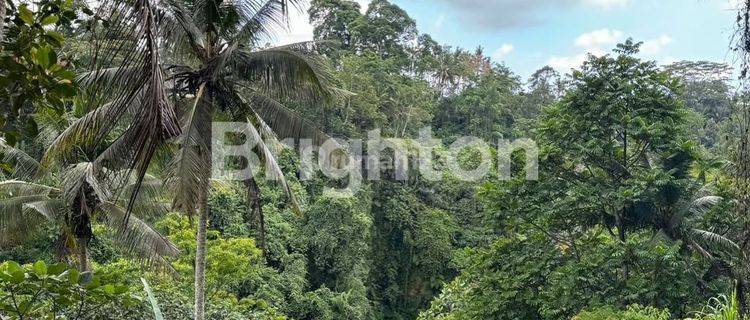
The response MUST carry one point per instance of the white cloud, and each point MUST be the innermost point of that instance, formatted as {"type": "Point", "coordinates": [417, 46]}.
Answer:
{"type": "Point", "coordinates": [363, 5]}
{"type": "Point", "coordinates": [565, 63]}
{"type": "Point", "coordinates": [599, 42]}
{"type": "Point", "coordinates": [503, 51]}
{"type": "Point", "coordinates": [733, 4]}
{"type": "Point", "coordinates": [596, 42]}
{"type": "Point", "coordinates": [491, 15]}
{"type": "Point", "coordinates": [300, 28]}
{"type": "Point", "coordinates": [438, 25]}
{"type": "Point", "coordinates": [598, 38]}
{"type": "Point", "coordinates": [606, 4]}
{"type": "Point", "coordinates": [655, 46]}
{"type": "Point", "coordinates": [667, 60]}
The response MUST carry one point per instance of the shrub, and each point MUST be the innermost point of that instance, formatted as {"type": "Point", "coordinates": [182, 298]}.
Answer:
{"type": "Point", "coordinates": [40, 291]}
{"type": "Point", "coordinates": [634, 312]}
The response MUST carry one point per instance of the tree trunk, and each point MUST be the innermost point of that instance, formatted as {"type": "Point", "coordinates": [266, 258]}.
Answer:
{"type": "Point", "coordinates": [200, 261]}
{"type": "Point", "coordinates": [2, 20]}
{"type": "Point", "coordinates": [255, 218]}
{"type": "Point", "coordinates": [84, 263]}
{"type": "Point", "coordinates": [741, 296]}
{"type": "Point", "coordinates": [81, 223]}
{"type": "Point", "coordinates": [623, 239]}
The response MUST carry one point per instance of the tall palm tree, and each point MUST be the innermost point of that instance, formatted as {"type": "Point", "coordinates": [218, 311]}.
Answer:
{"type": "Point", "coordinates": [215, 65]}
{"type": "Point", "coordinates": [224, 69]}
{"type": "Point", "coordinates": [74, 198]}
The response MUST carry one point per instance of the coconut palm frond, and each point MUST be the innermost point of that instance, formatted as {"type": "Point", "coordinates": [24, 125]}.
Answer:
{"type": "Point", "coordinates": [180, 32]}
{"type": "Point", "coordinates": [285, 123]}
{"type": "Point", "coordinates": [288, 72]}
{"type": "Point", "coordinates": [704, 204]}
{"type": "Point", "coordinates": [24, 165]}
{"type": "Point", "coordinates": [134, 50]}
{"type": "Point", "coordinates": [261, 22]}
{"type": "Point", "coordinates": [134, 235]}
{"type": "Point", "coordinates": [273, 170]}
{"type": "Point", "coordinates": [16, 223]}
{"type": "Point", "coordinates": [78, 179]}
{"type": "Point", "coordinates": [711, 240]}
{"type": "Point", "coordinates": [150, 198]}
{"type": "Point", "coordinates": [112, 78]}
{"type": "Point", "coordinates": [698, 248]}
{"type": "Point", "coordinates": [10, 188]}
{"type": "Point", "coordinates": [82, 133]}
{"type": "Point", "coordinates": [50, 209]}
{"type": "Point", "coordinates": [190, 169]}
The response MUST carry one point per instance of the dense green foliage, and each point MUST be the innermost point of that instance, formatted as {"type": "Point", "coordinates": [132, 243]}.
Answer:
{"type": "Point", "coordinates": [39, 291]}
{"type": "Point", "coordinates": [635, 214]}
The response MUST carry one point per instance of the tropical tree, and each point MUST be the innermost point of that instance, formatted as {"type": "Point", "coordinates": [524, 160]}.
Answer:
{"type": "Point", "coordinates": [73, 199]}
{"type": "Point", "coordinates": [216, 65]}
{"type": "Point", "coordinates": [222, 66]}
{"type": "Point", "coordinates": [34, 73]}
{"type": "Point", "coordinates": [69, 185]}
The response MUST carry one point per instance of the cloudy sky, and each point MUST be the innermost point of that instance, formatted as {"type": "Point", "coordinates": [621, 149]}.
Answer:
{"type": "Point", "coordinates": [528, 34]}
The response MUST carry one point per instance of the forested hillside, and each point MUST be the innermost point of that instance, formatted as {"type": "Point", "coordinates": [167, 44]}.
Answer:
{"type": "Point", "coordinates": [627, 199]}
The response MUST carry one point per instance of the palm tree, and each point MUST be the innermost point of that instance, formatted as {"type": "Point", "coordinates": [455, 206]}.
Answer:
{"type": "Point", "coordinates": [74, 198]}
{"type": "Point", "coordinates": [225, 71]}
{"type": "Point", "coordinates": [705, 165]}
{"type": "Point", "coordinates": [215, 66]}
{"type": "Point", "coordinates": [680, 225]}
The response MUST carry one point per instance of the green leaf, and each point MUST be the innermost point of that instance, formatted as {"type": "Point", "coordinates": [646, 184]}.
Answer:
{"type": "Point", "coordinates": [52, 56]}
{"type": "Point", "coordinates": [152, 299]}
{"type": "Point", "coordinates": [65, 89]}
{"type": "Point", "coordinates": [5, 276]}
{"type": "Point", "coordinates": [58, 37]}
{"type": "Point", "coordinates": [109, 289]}
{"type": "Point", "coordinates": [57, 268]}
{"type": "Point", "coordinates": [13, 266]}
{"type": "Point", "coordinates": [121, 289]}
{"type": "Point", "coordinates": [93, 282]}
{"type": "Point", "coordinates": [50, 20]}
{"type": "Point", "coordinates": [16, 272]}
{"type": "Point", "coordinates": [25, 14]}
{"type": "Point", "coordinates": [66, 75]}
{"type": "Point", "coordinates": [23, 306]}
{"type": "Point", "coordinates": [41, 56]}
{"type": "Point", "coordinates": [40, 268]}
{"type": "Point", "coordinates": [73, 276]}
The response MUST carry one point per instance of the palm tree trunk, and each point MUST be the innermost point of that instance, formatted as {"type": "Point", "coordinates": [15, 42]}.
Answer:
{"type": "Point", "coordinates": [84, 263]}
{"type": "Point", "coordinates": [81, 222]}
{"type": "Point", "coordinates": [255, 218]}
{"type": "Point", "coordinates": [741, 296]}
{"type": "Point", "coordinates": [200, 261]}
{"type": "Point", "coordinates": [2, 20]}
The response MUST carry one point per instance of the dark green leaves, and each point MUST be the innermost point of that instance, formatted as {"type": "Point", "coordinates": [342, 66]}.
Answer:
{"type": "Point", "coordinates": [37, 290]}
{"type": "Point", "coordinates": [33, 76]}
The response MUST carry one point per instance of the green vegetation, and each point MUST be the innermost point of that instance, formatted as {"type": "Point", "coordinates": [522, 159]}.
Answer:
{"type": "Point", "coordinates": [639, 211]}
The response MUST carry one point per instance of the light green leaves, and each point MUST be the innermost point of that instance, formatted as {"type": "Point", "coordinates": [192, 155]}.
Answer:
{"type": "Point", "coordinates": [25, 14]}
{"type": "Point", "coordinates": [48, 20]}
{"type": "Point", "coordinates": [40, 268]}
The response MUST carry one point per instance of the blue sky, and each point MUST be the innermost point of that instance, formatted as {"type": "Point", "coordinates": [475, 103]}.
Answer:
{"type": "Point", "coordinates": [529, 34]}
